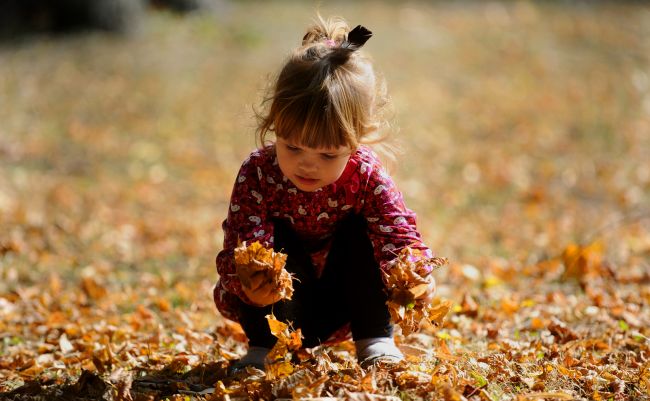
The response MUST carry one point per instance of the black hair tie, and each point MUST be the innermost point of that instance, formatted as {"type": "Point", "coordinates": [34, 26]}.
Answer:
{"type": "Point", "coordinates": [356, 38]}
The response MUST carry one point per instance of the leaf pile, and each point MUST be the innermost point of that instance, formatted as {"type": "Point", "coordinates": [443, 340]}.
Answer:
{"type": "Point", "coordinates": [256, 259]}
{"type": "Point", "coordinates": [406, 283]}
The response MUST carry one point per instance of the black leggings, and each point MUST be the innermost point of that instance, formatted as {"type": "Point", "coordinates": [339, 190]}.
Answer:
{"type": "Point", "coordinates": [350, 290]}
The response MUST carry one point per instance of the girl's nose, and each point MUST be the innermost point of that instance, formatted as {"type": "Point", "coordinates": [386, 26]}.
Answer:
{"type": "Point", "coordinates": [306, 165]}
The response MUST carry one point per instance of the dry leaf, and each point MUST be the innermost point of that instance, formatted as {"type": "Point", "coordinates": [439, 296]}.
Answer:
{"type": "Point", "coordinates": [92, 288]}
{"type": "Point", "coordinates": [582, 262]}
{"type": "Point", "coordinates": [65, 344]}
{"type": "Point", "coordinates": [644, 378]}
{"type": "Point", "coordinates": [406, 282]}
{"type": "Point", "coordinates": [278, 361]}
{"type": "Point", "coordinates": [255, 258]}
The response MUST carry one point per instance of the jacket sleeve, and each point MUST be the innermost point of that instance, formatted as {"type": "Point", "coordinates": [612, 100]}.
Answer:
{"type": "Point", "coordinates": [391, 225]}
{"type": "Point", "coordinates": [247, 221]}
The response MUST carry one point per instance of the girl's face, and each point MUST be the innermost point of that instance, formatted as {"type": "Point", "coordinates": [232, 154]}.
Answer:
{"type": "Point", "coordinates": [311, 168]}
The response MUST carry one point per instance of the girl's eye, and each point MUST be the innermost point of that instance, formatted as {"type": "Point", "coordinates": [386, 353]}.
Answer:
{"type": "Point", "coordinates": [329, 157]}
{"type": "Point", "coordinates": [293, 148]}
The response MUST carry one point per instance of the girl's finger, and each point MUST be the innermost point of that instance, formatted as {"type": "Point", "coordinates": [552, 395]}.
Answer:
{"type": "Point", "coordinates": [270, 291]}
{"type": "Point", "coordinates": [256, 265]}
{"type": "Point", "coordinates": [257, 280]}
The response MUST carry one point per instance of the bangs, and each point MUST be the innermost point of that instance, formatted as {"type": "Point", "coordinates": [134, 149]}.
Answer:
{"type": "Point", "coordinates": [311, 121]}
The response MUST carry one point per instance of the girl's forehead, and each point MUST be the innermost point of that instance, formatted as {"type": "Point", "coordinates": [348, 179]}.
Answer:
{"type": "Point", "coordinates": [326, 149]}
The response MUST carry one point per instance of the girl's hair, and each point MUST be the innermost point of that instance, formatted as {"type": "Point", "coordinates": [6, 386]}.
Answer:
{"type": "Point", "coordinates": [326, 95]}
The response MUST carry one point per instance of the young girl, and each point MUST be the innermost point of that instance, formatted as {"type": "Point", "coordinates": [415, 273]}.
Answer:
{"type": "Point", "coordinates": [323, 198]}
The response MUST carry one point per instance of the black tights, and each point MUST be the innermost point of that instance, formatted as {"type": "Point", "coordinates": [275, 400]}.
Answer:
{"type": "Point", "coordinates": [350, 290]}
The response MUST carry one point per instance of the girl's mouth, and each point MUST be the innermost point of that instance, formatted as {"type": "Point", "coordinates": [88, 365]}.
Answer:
{"type": "Point", "coordinates": [305, 180]}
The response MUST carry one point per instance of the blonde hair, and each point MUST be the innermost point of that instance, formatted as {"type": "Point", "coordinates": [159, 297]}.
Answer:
{"type": "Point", "coordinates": [326, 95]}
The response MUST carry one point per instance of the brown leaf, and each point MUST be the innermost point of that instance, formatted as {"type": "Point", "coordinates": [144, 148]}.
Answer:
{"type": "Point", "coordinates": [278, 361]}
{"type": "Point", "coordinates": [581, 262]}
{"type": "Point", "coordinates": [438, 310]}
{"type": "Point", "coordinates": [406, 281]}
{"type": "Point", "coordinates": [450, 394]}
{"type": "Point", "coordinates": [468, 306]}
{"type": "Point", "coordinates": [644, 378]}
{"type": "Point", "coordinates": [122, 381]}
{"type": "Point", "coordinates": [254, 258]}
{"type": "Point", "coordinates": [92, 288]}
{"type": "Point", "coordinates": [357, 396]}
{"type": "Point", "coordinates": [545, 396]}
{"type": "Point", "coordinates": [561, 332]}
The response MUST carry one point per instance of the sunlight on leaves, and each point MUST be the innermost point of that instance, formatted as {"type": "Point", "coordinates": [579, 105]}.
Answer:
{"type": "Point", "coordinates": [278, 362]}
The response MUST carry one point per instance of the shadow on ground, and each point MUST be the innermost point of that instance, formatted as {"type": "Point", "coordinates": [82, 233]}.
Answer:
{"type": "Point", "coordinates": [149, 385]}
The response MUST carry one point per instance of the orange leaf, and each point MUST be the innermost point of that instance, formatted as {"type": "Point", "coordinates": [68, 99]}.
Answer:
{"type": "Point", "coordinates": [281, 368]}
{"type": "Point", "coordinates": [278, 361]}
{"type": "Point", "coordinates": [92, 288]}
{"type": "Point", "coordinates": [537, 323]}
{"type": "Point", "coordinates": [278, 328]}
{"type": "Point", "coordinates": [438, 311]}
{"type": "Point", "coordinates": [407, 281]}
{"type": "Point", "coordinates": [644, 378]}
{"type": "Point", "coordinates": [254, 258]}
{"type": "Point", "coordinates": [580, 261]}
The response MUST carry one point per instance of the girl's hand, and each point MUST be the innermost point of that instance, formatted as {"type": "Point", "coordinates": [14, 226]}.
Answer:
{"type": "Point", "coordinates": [429, 294]}
{"type": "Point", "coordinates": [259, 283]}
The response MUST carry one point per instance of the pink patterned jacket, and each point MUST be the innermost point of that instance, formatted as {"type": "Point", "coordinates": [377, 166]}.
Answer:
{"type": "Point", "coordinates": [262, 193]}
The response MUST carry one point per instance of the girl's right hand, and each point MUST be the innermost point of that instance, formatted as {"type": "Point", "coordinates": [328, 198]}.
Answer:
{"type": "Point", "coordinates": [258, 283]}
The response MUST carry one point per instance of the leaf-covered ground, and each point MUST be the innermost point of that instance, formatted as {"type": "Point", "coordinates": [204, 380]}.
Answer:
{"type": "Point", "coordinates": [525, 131]}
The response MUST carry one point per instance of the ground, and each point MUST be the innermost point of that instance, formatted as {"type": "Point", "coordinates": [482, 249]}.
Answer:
{"type": "Point", "coordinates": [524, 131]}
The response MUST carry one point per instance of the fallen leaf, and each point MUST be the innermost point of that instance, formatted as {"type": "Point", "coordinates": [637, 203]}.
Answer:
{"type": "Point", "coordinates": [65, 345]}
{"type": "Point", "coordinates": [406, 282]}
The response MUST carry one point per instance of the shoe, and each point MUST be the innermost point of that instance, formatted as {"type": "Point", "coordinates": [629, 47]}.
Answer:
{"type": "Point", "coordinates": [253, 359]}
{"type": "Point", "coordinates": [377, 351]}
{"type": "Point", "coordinates": [248, 369]}
{"type": "Point", "coordinates": [380, 361]}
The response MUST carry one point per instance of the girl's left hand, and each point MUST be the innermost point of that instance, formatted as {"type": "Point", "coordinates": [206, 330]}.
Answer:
{"type": "Point", "coordinates": [430, 293]}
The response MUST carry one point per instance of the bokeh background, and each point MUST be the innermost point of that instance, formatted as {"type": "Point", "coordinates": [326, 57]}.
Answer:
{"type": "Point", "coordinates": [524, 128]}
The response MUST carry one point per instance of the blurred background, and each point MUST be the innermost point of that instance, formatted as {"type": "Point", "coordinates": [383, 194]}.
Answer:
{"type": "Point", "coordinates": [524, 126]}
{"type": "Point", "coordinates": [23, 17]}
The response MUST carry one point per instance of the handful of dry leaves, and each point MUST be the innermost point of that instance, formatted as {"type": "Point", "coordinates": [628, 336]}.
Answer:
{"type": "Point", "coordinates": [261, 268]}
{"type": "Point", "coordinates": [407, 283]}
